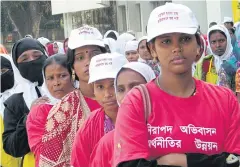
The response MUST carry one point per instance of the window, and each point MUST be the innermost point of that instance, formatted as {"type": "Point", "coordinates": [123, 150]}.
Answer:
{"type": "Point", "coordinates": [138, 19]}
{"type": "Point", "coordinates": [122, 18]}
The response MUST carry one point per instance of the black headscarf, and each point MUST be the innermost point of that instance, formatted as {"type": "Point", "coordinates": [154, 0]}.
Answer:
{"type": "Point", "coordinates": [5, 63]}
{"type": "Point", "coordinates": [26, 44]}
{"type": "Point", "coordinates": [7, 78]}
{"type": "Point", "coordinates": [31, 70]}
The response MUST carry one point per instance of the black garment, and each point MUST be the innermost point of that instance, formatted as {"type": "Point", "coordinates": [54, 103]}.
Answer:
{"type": "Point", "coordinates": [23, 45]}
{"type": "Point", "coordinates": [32, 70]}
{"type": "Point", "coordinates": [193, 160]}
{"type": "Point", "coordinates": [15, 140]}
{"type": "Point", "coordinates": [7, 80]}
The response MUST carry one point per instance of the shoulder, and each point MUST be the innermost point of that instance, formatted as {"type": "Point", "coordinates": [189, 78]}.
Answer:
{"type": "Point", "coordinates": [218, 93]}
{"type": "Point", "coordinates": [15, 101]}
{"type": "Point", "coordinates": [39, 112]}
{"type": "Point", "coordinates": [93, 120]}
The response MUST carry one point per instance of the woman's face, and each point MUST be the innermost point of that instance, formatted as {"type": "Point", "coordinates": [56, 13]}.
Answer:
{"type": "Point", "coordinates": [58, 80]}
{"type": "Point", "coordinates": [218, 43]}
{"type": "Point", "coordinates": [82, 60]}
{"type": "Point", "coordinates": [176, 52]}
{"type": "Point", "coordinates": [132, 56]}
{"type": "Point", "coordinates": [143, 51]}
{"type": "Point", "coordinates": [105, 94]}
{"type": "Point", "coordinates": [126, 80]}
{"type": "Point", "coordinates": [66, 46]}
{"type": "Point", "coordinates": [55, 48]}
{"type": "Point", "coordinates": [29, 55]}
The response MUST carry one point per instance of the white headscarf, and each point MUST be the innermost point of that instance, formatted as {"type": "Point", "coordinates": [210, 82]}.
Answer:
{"type": "Point", "coordinates": [7, 93]}
{"type": "Point", "coordinates": [109, 31]}
{"type": "Point", "coordinates": [43, 41]}
{"type": "Point", "coordinates": [131, 46]}
{"type": "Point", "coordinates": [60, 47]}
{"type": "Point", "coordinates": [122, 40]}
{"type": "Point", "coordinates": [143, 69]}
{"type": "Point", "coordinates": [52, 100]}
{"type": "Point", "coordinates": [27, 87]}
{"type": "Point", "coordinates": [218, 60]}
{"type": "Point", "coordinates": [111, 44]}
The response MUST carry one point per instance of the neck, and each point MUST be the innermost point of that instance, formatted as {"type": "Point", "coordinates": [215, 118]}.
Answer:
{"type": "Point", "coordinates": [112, 115]}
{"type": "Point", "coordinates": [178, 85]}
{"type": "Point", "coordinates": [86, 89]}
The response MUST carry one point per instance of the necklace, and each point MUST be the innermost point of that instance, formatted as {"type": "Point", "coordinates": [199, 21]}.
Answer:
{"type": "Point", "coordinates": [158, 84]}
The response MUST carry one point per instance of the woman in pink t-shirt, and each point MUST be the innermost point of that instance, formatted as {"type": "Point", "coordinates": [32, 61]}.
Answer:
{"type": "Point", "coordinates": [187, 115]}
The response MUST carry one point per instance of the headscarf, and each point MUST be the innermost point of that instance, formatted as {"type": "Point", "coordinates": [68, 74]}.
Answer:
{"type": "Point", "coordinates": [218, 60]}
{"type": "Point", "coordinates": [60, 47]}
{"type": "Point", "coordinates": [3, 50]}
{"type": "Point", "coordinates": [43, 41]}
{"type": "Point", "coordinates": [131, 46]}
{"type": "Point", "coordinates": [110, 31]}
{"type": "Point", "coordinates": [143, 69]}
{"type": "Point", "coordinates": [111, 44]}
{"type": "Point", "coordinates": [50, 49]}
{"type": "Point", "coordinates": [66, 40]}
{"type": "Point", "coordinates": [122, 40]}
{"type": "Point", "coordinates": [27, 87]}
{"type": "Point", "coordinates": [15, 89]}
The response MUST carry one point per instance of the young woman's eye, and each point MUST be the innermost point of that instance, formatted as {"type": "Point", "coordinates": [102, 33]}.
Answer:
{"type": "Point", "coordinates": [63, 75]}
{"type": "Point", "coordinates": [166, 41]}
{"type": "Point", "coordinates": [49, 78]}
{"type": "Point", "coordinates": [186, 39]}
{"type": "Point", "coordinates": [100, 87]}
{"type": "Point", "coordinates": [119, 90]}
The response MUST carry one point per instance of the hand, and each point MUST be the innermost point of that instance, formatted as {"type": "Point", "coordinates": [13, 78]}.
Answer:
{"type": "Point", "coordinates": [40, 100]}
{"type": "Point", "coordinates": [173, 159]}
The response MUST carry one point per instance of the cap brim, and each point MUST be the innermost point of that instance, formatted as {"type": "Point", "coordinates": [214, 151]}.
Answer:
{"type": "Point", "coordinates": [158, 32]}
{"type": "Point", "coordinates": [99, 76]}
{"type": "Point", "coordinates": [81, 43]}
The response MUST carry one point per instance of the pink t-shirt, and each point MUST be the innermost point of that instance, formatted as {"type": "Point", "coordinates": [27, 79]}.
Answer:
{"type": "Point", "coordinates": [207, 123]}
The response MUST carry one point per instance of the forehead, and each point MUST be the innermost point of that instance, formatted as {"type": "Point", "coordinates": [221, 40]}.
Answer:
{"type": "Point", "coordinates": [105, 81]}
{"type": "Point", "coordinates": [30, 52]}
{"type": "Point", "coordinates": [143, 42]}
{"type": "Point", "coordinates": [217, 35]}
{"type": "Point", "coordinates": [87, 48]}
{"type": "Point", "coordinates": [128, 76]}
{"type": "Point", "coordinates": [53, 67]}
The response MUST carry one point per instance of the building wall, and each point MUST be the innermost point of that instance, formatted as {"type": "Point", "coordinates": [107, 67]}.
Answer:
{"type": "Point", "coordinates": [206, 11]}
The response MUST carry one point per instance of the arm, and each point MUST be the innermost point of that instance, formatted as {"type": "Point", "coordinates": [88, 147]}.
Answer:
{"type": "Point", "coordinates": [15, 141]}
{"type": "Point", "coordinates": [80, 155]}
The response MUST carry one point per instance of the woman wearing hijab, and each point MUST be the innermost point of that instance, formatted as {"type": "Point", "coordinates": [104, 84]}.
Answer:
{"type": "Point", "coordinates": [8, 88]}
{"type": "Point", "coordinates": [187, 115]}
{"type": "Point", "coordinates": [84, 43]}
{"type": "Point", "coordinates": [57, 83]}
{"type": "Point", "coordinates": [28, 56]}
{"type": "Point", "coordinates": [121, 42]}
{"type": "Point", "coordinates": [65, 45]}
{"type": "Point", "coordinates": [131, 75]}
{"type": "Point", "coordinates": [111, 34]}
{"type": "Point", "coordinates": [221, 49]}
{"type": "Point", "coordinates": [103, 69]}
{"type": "Point", "coordinates": [145, 56]}
{"type": "Point", "coordinates": [131, 52]}
{"type": "Point", "coordinates": [110, 45]}
{"type": "Point", "coordinates": [50, 50]}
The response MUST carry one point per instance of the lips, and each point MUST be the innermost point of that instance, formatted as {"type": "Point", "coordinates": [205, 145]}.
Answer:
{"type": "Point", "coordinates": [178, 60]}
{"type": "Point", "coordinates": [86, 72]}
{"type": "Point", "coordinates": [109, 103]}
{"type": "Point", "coordinates": [58, 91]}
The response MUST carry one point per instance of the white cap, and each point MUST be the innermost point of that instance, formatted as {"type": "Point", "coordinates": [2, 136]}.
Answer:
{"type": "Point", "coordinates": [227, 19]}
{"type": "Point", "coordinates": [171, 18]}
{"type": "Point", "coordinates": [83, 36]}
{"type": "Point", "coordinates": [105, 66]}
{"type": "Point", "coordinates": [131, 46]}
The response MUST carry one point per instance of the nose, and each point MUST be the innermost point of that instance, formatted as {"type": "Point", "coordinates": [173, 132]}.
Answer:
{"type": "Point", "coordinates": [31, 58]}
{"type": "Point", "coordinates": [56, 82]}
{"type": "Point", "coordinates": [218, 44]}
{"type": "Point", "coordinates": [177, 47]}
{"type": "Point", "coordinates": [108, 94]}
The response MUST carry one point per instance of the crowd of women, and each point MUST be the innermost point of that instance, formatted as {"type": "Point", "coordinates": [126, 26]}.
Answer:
{"type": "Point", "coordinates": [167, 99]}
